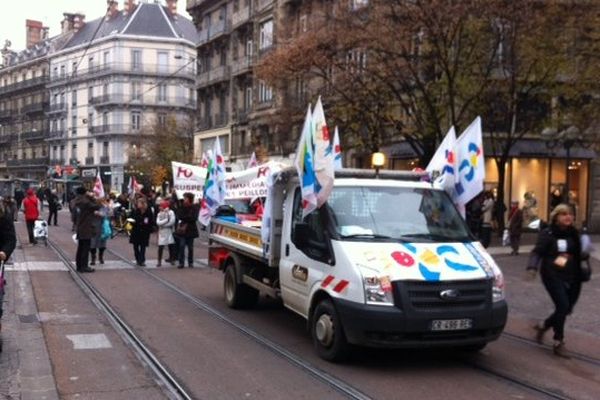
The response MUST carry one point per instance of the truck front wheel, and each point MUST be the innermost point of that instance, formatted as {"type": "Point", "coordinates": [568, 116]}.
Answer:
{"type": "Point", "coordinates": [327, 332]}
{"type": "Point", "coordinates": [238, 295]}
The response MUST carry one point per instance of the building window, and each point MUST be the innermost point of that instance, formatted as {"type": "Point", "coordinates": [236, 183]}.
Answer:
{"type": "Point", "coordinates": [91, 63]}
{"type": "Point", "coordinates": [162, 92]}
{"type": "Point", "coordinates": [303, 23]}
{"type": "Point", "coordinates": [265, 93]}
{"type": "Point", "coordinates": [74, 152]}
{"type": "Point", "coordinates": [90, 93]}
{"type": "Point", "coordinates": [63, 71]}
{"type": "Point", "coordinates": [136, 91]}
{"type": "Point", "coordinates": [106, 58]}
{"type": "Point", "coordinates": [74, 98]}
{"type": "Point", "coordinates": [90, 149]}
{"type": "Point", "coordinates": [136, 60]}
{"type": "Point", "coordinates": [136, 119]}
{"type": "Point", "coordinates": [357, 4]}
{"type": "Point", "coordinates": [74, 125]}
{"type": "Point", "coordinates": [163, 62]}
{"type": "Point", "coordinates": [104, 149]}
{"type": "Point", "coordinates": [90, 121]}
{"type": "Point", "coordinates": [74, 67]}
{"type": "Point", "coordinates": [266, 34]}
{"type": "Point", "coordinates": [162, 119]}
{"type": "Point", "coordinates": [105, 118]}
{"type": "Point", "coordinates": [62, 153]}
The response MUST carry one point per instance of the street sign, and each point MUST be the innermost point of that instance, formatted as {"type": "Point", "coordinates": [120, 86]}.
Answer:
{"type": "Point", "coordinates": [88, 173]}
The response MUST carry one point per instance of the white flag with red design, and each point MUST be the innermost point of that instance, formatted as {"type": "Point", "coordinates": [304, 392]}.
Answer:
{"type": "Point", "coordinates": [323, 164]}
{"type": "Point", "coordinates": [98, 186]}
{"type": "Point", "coordinates": [337, 150]}
{"type": "Point", "coordinates": [204, 160]}
{"type": "Point", "coordinates": [253, 162]}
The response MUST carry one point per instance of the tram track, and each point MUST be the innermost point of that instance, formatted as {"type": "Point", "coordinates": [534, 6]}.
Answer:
{"type": "Point", "coordinates": [318, 373]}
{"type": "Point", "coordinates": [166, 380]}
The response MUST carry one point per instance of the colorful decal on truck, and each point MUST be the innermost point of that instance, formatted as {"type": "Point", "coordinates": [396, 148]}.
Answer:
{"type": "Point", "coordinates": [420, 261]}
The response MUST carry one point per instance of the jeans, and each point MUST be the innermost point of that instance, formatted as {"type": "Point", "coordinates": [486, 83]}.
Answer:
{"type": "Point", "coordinates": [139, 250]}
{"type": "Point", "coordinates": [83, 251]}
{"type": "Point", "coordinates": [52, 213]}
{"type": "Point", "coordinates": [564, 295]}
{"type": "Point", "coordinates": [183, 243]}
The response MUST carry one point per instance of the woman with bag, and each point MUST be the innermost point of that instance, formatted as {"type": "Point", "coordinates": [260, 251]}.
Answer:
{"type": "Point", "coordinates": [186, 229]}
{"type": "Point", "coordinates": [98, 243]}
{"type": "Point", "coordinates": [165, 220]}
{"type": "Point", "coordinates": [142, 228]}
{"type": "Point", "coordinates": [558, 251]}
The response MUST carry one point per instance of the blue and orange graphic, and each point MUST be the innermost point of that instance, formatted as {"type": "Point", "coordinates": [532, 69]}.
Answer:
{"type": "Point", "coordinates": [469, 164]}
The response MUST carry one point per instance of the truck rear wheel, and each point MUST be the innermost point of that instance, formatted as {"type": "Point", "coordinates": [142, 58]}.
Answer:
{"type": "Point", "coordinates": [327, 333]}
{"type": "Point", "coordinates": [238, 295]}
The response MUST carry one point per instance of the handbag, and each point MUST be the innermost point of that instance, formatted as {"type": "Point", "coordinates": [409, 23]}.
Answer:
{"type": "Point", "coordinates": [586, 270]}
{"type": "Point", "coordinates": [505, 238]}
{"type": "Point", "coordinates": [181, 229]}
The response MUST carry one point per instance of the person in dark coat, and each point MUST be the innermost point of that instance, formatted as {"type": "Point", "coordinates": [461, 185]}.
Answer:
{"type": "Point", "coordinates": [53, 204]}
{"type": "Point", "coordinates": [8, 241]}
{"type": "Point", "coordinates": [558, 251]}
{"type": "Point", "coordinates": [142, 228]}
{"type": "Point", "coordinates": [19, 196]}
{"type": "Point", "coordinates": [187, 229]}
{"type": "Point", "coordinates": [86, 207]}
{"type": "Point", "coordinates": [515, 227]}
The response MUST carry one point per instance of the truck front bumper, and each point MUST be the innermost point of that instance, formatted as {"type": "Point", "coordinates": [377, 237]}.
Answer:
{"type": "Point", "coordinates": [392, 327]}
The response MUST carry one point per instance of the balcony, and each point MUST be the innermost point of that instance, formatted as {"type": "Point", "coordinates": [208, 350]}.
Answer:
{"type": "Point", "coordinates": [34, 108]}
{"type": "Point", "coordinates": [242, 116]}
{"type": "Point", "coordinates": [108, 129]}
{"type": "Point", "coordinates": [242, 65]}
{"type": "Point", "coordinates": [6, 114]}
{"type": "Point", "coordinates": [263, 5]}
{"type": "Point", "coordinates": [28, 162]}
{"type": "Point", "coordinates": [57, 108]}
{"type": "Point", "coordinates": [33, 135]}
{"type": "Point", "coordinates": [89, 161]}
{"type": "Point", "coordinates": [220, 28]}
{"type": "Point", "coordinates": [240, 17]}
{"type": "Point", "coordinates": [220, 120]}
{"type": "Point", "coordinates": [203, 36]}
{"type": "Point", "coordinates": [205, 123]}
{"type": "Point", "coordinates": [57, 161]}
{"type": "Point", "coordinates": [218, 74]}
{"type": "Point", "coordinates": [57, 134]}
{"type": "Point", "coordinates": [104, 160]}
{"type": "Point", "coordinates": [26, 84]}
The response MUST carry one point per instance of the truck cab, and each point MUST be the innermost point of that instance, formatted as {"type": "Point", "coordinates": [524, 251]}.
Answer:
{"type": "Point", "coordinates": [386, 262]}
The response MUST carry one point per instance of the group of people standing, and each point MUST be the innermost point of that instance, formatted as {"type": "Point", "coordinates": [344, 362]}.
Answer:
{"type": "Point", "coordinates": [174, 221]}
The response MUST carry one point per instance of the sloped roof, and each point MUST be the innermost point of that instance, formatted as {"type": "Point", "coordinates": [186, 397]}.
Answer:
{"type": "Point", "coordinates": [147, 19]}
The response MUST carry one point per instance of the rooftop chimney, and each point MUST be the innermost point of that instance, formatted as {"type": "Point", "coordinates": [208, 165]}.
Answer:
{"type": "Point", "coordinates": [112, 8]}
{"type": "Point", "coordinates": [128, 7]}
{"type": "Point", "coordinates": [172, 7]}
{"type": "Point", "coordinates": [78, 21]}
{"type": "Point", "coordinates": [36, 32]}
{"type": "Point", "coordinates": [72, 22]}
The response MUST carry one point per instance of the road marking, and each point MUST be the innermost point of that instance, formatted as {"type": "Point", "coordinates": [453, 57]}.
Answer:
{"type": "Point", "coordinates": [37, 266]}
{"type": "Point", "coordinates": [90, 341]}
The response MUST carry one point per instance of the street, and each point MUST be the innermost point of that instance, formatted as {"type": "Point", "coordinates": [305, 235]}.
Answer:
{"type": "Point", "coordinates": [58, 344]}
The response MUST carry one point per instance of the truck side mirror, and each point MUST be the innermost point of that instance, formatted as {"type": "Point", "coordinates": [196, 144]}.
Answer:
{"type": "Point", "coordinates": [301, 234]}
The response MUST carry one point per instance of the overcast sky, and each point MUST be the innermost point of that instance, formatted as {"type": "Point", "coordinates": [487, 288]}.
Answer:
{"type": "Point", "coordinates": [14, 13]}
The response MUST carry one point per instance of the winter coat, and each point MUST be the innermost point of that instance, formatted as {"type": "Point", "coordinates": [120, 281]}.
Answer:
{"type": "Point", "coordinates": [515, 224]}
{"type": "Point", "coordinates": [8, 237]}
{"type": "Point", "coordinates": [546, 251]}
{"type": "Point", "coordinates": [142, 227]}
{"type": "Point", "coordinates": [188, 214]}
{"type": "Point", "coordinates": [30, 207]}
{"type": "Point", "coordinates": [165, 220]}
{"type": "Point", "coordinates": [53, 202]}
{"type": "Point", "coordinates": [86, 208]}
{"type": "Point", "coordinates": [97, 241]}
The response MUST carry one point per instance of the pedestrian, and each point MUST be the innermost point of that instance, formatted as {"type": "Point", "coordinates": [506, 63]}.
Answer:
{"type": "Point", "coordinates": [142, 228]}
{"type": "Point", "coordinates": [8, 241]}
{"type": "Point", "coordinates": [499, 210]}
{"type": "Point", "coordinates": [19, 197]}
{"type": "Point", "coordinates": [41, 197]}
{"type": "Point", "coordinates": [186, 230]}
{"type": "Point", "coordinates": [474, 215]}
{"type": "Point", "coordinates": [86, 206]}
{"type": "Point", "coordinates": [11, 207]}
{"type": "Point", "coordinates": [98, 243]}
{"type": "Point", "coordinates": [165, 220]}
{"type": "Point", "coordinates": [558, 251]}
{"type": "Point", "coordinates": [73, 211]}
{"type": "Point", "coordinates": [32, 213]}
{"type": "Point", "coordinates": [53, 204]}
{"type": "Point", "coordinates": [487, 210]}
{"type": "Point", "coordinates": [515, 227]}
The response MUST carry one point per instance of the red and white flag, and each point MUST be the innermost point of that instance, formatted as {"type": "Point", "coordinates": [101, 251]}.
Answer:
{"type": "Point", "coordinates": [252, 163]}
{"type": "Point", "coordinates": [99, 187]}
{"type": "Point", "coordinates": [204, 160]}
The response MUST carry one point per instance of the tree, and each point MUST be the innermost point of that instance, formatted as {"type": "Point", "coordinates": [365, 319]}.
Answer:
{"type": "Point", "coordinates": [158, 145]}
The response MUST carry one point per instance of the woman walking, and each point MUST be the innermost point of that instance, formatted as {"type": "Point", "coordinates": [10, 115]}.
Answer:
{"type": "Point", "coordinates": [187, 230]}
{"type": "Point", "coordinates": [558, 250]}
{"type": "Point", "coordinates": [98, 243]}
{"type": "Point", "coordinates": [515, 227]}
{"type": "Point", "coordinates": [165, 220]}
{"type": "Point", "coordinates": [142, 228]}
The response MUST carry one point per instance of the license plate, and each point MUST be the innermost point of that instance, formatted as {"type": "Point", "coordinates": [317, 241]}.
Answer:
{"type": "Point", "coordinates": [451, 324]}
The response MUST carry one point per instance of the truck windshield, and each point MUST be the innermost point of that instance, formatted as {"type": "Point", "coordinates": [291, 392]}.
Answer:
{"type": "Point", "coordinates": [395, 213]}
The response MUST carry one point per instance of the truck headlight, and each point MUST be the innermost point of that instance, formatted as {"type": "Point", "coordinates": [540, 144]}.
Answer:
{"type": "Point", "coordinates": [498, 286]}
{"type": "Point", "coordinates": [378, 290]}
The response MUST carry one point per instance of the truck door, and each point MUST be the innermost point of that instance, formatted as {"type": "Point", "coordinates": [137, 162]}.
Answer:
{"type": "Point", "coordinates": [305, 258]}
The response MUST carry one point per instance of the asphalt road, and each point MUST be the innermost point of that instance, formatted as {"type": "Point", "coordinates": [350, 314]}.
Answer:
{"type": "Point", "coordinates": [214, 360]}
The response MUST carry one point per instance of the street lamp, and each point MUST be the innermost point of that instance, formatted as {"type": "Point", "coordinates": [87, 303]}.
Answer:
{"type": "Point", "coordinates": [566, 139]}
{"type": "Point", "coordinates": [377, 161]}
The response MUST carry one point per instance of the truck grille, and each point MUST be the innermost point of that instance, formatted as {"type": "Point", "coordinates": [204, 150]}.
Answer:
{"type": "Point", "coordinates": [426, 296]}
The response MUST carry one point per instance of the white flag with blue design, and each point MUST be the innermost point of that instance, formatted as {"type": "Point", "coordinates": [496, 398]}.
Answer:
{"type": "Point", "coordinates": [305, 166]}
{"type": "Point", "coordinates": [470, 165]}
{"type": "Point", "coordinates": [323, 154]}
{"type": "Point", "coordinates": [443, 163]}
